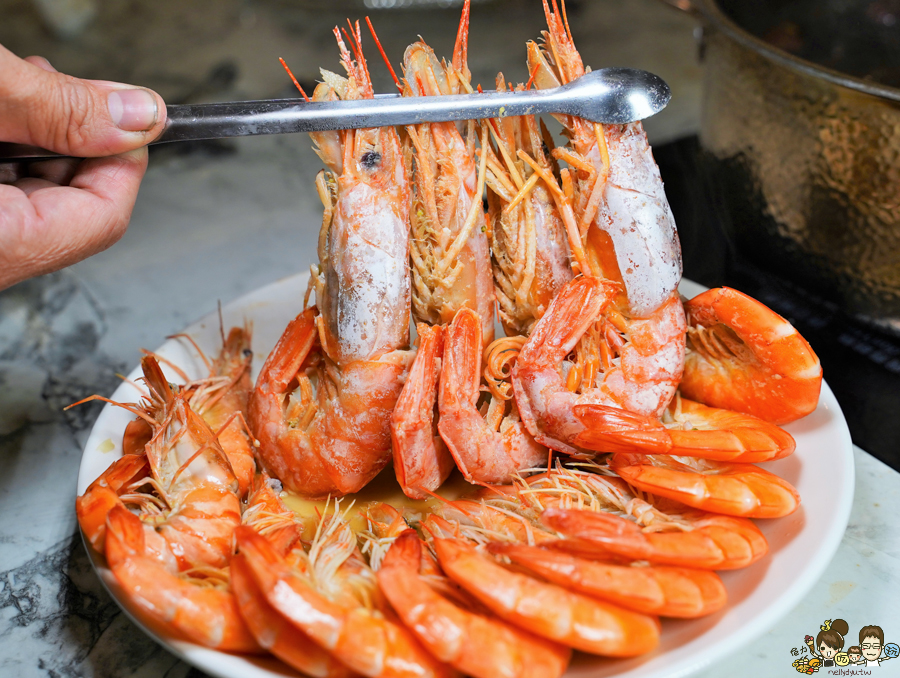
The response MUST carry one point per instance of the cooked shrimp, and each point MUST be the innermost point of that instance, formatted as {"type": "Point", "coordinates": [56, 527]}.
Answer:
{"type": "Point", "coordinates": [660, 590]}
{"type": "Point", "coordinates": [362, 281]}
{"type": "Point", "coordinates": [222, 398]}
{"type": "Point", "coordinates": [491, 451]}
{"type": "Point", "coordinates": [694, 539]}
{"type": "Point", "coordinates": [633, 525]}
{"type": "Point", "coordinates": [625, 224]}
{"type": "Point", "coordinates": [688, 429]}
{"type": "Point", "coordinates": [190, 498]}
{"type": "Point", "coordinates": [198, 606]}
{"type": "Point", "coordinates": [275, 633]}
{"type": "Point", "coordinates": [720, 487]}
{"type": "Point", "coordinates": [267, 515]}
{"type": "Point", "coordinates": [359, 637]}
{"type": "Point", "coordinates": [338, 440]}
{"type": "Point", "coordinates": [421, 458]}
{"type": "Point", "coordinates": [527, 234]}
{"type": "Point", "coordinates": [548, 610]}
{"type": "Point", "coordinates": [643, 379]}
{"type": "Point", "coordinates": [106, 492]}
{"type": "Point", "coordinates": [477, 645]}
{"type": "Point", "coordinates": [743, 356]}
{"type": "Point", "coordinates": [450, 258]}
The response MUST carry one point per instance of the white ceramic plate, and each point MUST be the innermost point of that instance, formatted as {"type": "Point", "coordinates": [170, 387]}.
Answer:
{"type": "Point", "coordinates": [801, 545]}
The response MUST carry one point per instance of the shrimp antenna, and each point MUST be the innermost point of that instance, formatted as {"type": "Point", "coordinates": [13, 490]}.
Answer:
{"type": "Point", "coordinates": [221, 324]}
{"type": "Point", "coordinates": [461, 48]}
{"type": "Point", "coordinates": [296, 84]}
{"type": "Point", "coordinates": [566, 20]}
{"type": "Point", "coordinates": [355, 38]}
{"type": "Point", "coordinates": [383, 55]}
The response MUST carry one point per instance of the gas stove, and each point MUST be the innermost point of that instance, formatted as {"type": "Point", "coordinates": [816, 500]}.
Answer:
{"type": "Point", "coordinates": [861, 362]}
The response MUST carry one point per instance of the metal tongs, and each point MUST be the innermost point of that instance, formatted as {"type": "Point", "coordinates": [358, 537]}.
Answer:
{"type": "Point", "coordinates": [610, 95]}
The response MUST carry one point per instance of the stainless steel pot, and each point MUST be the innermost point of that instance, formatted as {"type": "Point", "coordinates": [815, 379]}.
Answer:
{"type": "Point", "coordinates": [807, 160]}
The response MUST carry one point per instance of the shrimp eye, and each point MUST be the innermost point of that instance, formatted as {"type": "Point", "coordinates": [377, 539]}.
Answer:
{"type": "Point", "coordinates": [370, 160]}
{"type": "Point", "coordinates": [248, 353]}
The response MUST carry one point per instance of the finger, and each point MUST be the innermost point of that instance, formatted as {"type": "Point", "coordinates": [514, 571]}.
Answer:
{"type": "Point", "coordinates": [82, 118]}
{"type": "Point", "coordinates": [54, 227]}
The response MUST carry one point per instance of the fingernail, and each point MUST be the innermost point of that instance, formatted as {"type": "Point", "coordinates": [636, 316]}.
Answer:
{"type": "Point", "coordinates": [133, 110]}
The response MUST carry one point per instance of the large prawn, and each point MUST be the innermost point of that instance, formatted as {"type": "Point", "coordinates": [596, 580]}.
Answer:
{"type": "Point", "coordinates": [337, 440]}
{"type": "Point", "coordinates": [628, 336]}
{"type": "Point", "coordinates": [453, 293]}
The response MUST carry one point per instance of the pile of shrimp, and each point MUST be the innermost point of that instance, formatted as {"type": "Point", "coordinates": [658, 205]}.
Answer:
{"type": "Point", "coordinates": [608, 440]}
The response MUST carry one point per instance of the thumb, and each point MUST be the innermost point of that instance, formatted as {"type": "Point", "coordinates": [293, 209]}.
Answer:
{"type": "Point", "coordinates": [83, 118]}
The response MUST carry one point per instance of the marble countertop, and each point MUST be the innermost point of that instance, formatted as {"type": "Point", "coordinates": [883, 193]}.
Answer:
{"type": "Point", "coordinates": [211, 226]}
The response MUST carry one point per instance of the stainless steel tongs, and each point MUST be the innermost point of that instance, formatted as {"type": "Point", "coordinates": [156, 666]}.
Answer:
{"type": "Point", "coordinates": [609, 95]}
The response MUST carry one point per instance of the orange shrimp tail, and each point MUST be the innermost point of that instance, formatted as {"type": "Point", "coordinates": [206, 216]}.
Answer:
{"type": "Point", "coordinates": [461, 47]}
{"type": "Point", "coordinates": [477, 645]}
{"type": "Point", "coordinates": [205, 615]}
{"type": "Point", "coordinates": [421, 459]}
{"type": "Point", "coordinates": [733, 489]}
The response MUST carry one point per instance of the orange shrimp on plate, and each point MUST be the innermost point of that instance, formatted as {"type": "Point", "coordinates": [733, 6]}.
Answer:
{"type": "Point", "coordinates": [196, 605]}
{"type": "Point", "coordinates": [692, 539]}
{"type": "Point", "coordinates": [546, 384]}
{"type": "Point", "coordinates": [335, 437]}
{"type": "Point", "coordinates": [688, 429]}
{"type": "Point", "coordinates": [357, 635]}
{"type": "Point", "coordinates": [652, 589]}
{"type": "Point", "coordinates": [745, 357]}
{"type": "Point", "coordinates": [490, 448]}
{"type": "Point", "coordinates": [478, 645]}
{"type": "Point", "coordinates": [733, 489]}
{"type": "Point", "coordinates": [267, 515]}
{"type": "Point", "coordinates": [605, 516]}
{"type": "Point", "coordinates": [189, 502]}
{"type": "Point", "coordinates": [547, 610]}
{"type": "Point", "coordinates": [450, 260]}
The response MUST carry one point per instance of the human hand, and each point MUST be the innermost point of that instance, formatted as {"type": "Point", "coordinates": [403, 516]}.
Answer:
{"type": "Point", "coordinates": [54, 213]}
